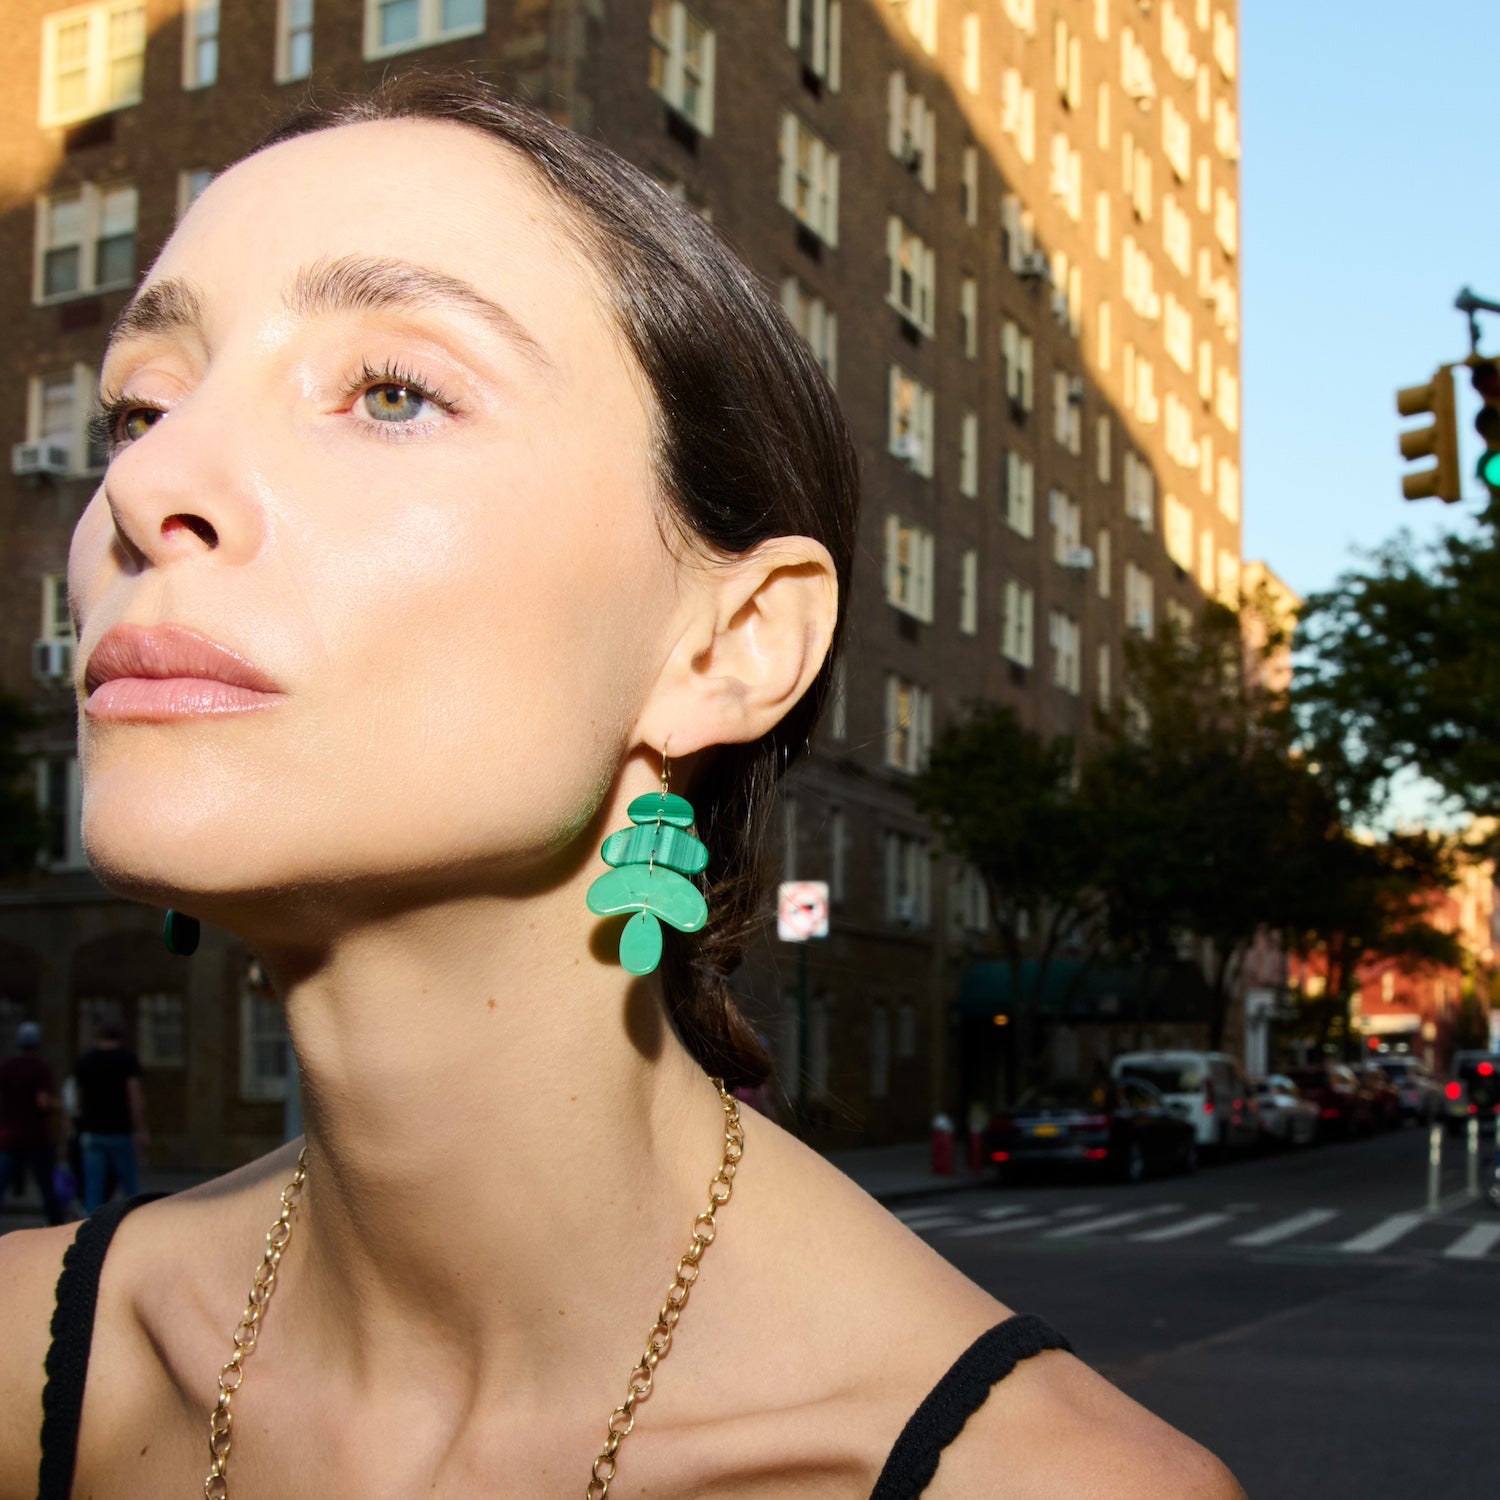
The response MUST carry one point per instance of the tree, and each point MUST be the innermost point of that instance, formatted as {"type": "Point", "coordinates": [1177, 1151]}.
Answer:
{"type": "Point", "coordinates": [1005, 799]}
{"type": "Point", "coordinates": [21, 830]}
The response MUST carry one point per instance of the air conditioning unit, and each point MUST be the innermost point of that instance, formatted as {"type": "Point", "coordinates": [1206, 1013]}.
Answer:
{"type": "Point", "coordinates": [1139, 619]}
{"type": "Point", "coordinates": [1034, 267]}
{"type": "Point", "coordinates": [52, 661]}
{"type": "Point", "coordinates": [911, 154]}
{"type": "Point", "coordinates": [906, 909]}
{"type": "Point", "coordinates": [908, 446]}
{"type": "Point", "coordinates": [1075, 390]}
{"type": "Point", "coordinates": [40, 458]}
{"type": "Point", "coordinates": [1081, 558]}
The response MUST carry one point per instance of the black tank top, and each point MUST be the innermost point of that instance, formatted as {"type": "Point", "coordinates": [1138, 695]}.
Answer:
{"type": "Point", "coordinates": [907, 1472]}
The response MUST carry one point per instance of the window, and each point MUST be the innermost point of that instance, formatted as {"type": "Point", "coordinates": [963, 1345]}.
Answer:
{"type": "Point", "coordinates": [1137, 168]}
{"type": "Point", "coordinates": [1066, 637]}
{"type": "Point", "coordinates": [1102, 562]}
{"type": "Point", "coordinates": [263, 1042]}
{"type": "Point", "coordinates": [1101, 20]}
{"type": "Point", "coordinates": [161, 1031]}
{"type": "Point", "coordinates": [400, 25]}
{"type": "Point", "coordinates": [969, 50]}
{"type": "Point", "coordinates": [1102, 676]}
{"type": "Point", "coordinates": [1017, 358]}
{"type": "Point", "coordinates": [1203, 90]}
{"type": "Point", "coordinates": [1018, 113]}
{"type": "Point", "coordinates": [1022, 15]}
{"type": "Point", "coordinates": [1101, 224]}
{"type": "Point", "coordinates": [1016, 640]}
{"type": "Point", "coordinates": [913, 275]}
{"type": "Point", "coordinates": [968, 593]}
{"type": "Point", "coordinates": [910, 566]}
{"type": "Point", "coordinates": [1227, 397]}
{"type": "Point", "coordinates": [970, 187]}
{"type": "Point", "coordinates": [968, 900]}
{"type": "Point", "coordinates": [1226, 221]}
{"type": "Point", "coordinates": [93, 58]}
{"type": "Point", "coordinates": [1138, 276]}
{"type": "Point", "coordinates": [60, 802]}
{"type": "Point", "coordinates": [1017, 234]}
{"type": "Point", "coordinates": [1140, 492]}
{"type": "Point", "coordinates": [1067, 410]}
{"type": "Point", "coordinates": [815, 321]}
{"type": "Point", "coordinates": [682, 63]}
{"type": "Point", "coordinates": [911, 422]}
{"type": "Point", "coordinates": [809, 179]}
{"type": "Point", "coordinates": [968, 455]}
{"type": "Point", "coordinates": [838, 854]}
{"type": "Point", "coordinates": [1066, 176]}
{"type": "Point", "coordinates": [1226, 130]}
{"type": "Point", "coordinates": [85, 241]}
{"type": "Point", "coordinates": [906, 1030]}
{"type": "Point", "coordinates": [1066, 516]}
{"type": "Point", "coordinates": [1177, 140]}
{"type": "Point", "coordinates": [57, 621]}
{"type": "Point", "coordinates": [190, 185]}
{"type": "Point", "coordinates": [1224, 48]}
{"type": "Point", "coordinates": [1177, 531]}
{"type": "Point", "coordinates": [1067, 64]}
{"type": "Point", "coordinates": [1147, 407]}
{"type": "Point", "coordinates": [1177, 234]}
{"type": "Point", "coordinates": [1101, 448]}
{"type": "Point", "coordinates": [813, 30]}
{"type": "Point", "coordinates": [200, 43]}
{"type": "Point", "coordinates": [921, 18]}
{"type": "Point", "coordinates": [1135, 69]}
{"type": "Point", "coordinates": [1229, 578]}
{"type": "Point", "coordinates": [1139, 595]}
{"type": "Point", "coordinates": [908, 725]}
{"type": "Point", "coordinates": [1229, 490]}
{"type": "Point", "coordinates": [838, 702]}
{"type": "Point", "coordinates": [58, 407]}
{"type": "Point", "coordinates": [1178, 619]}
{"type": "Point", "coordinates": [1176, 43]}
{"type": "Point", "coordinates": [908, 880]}
{"type": "Point", "coordinates": [968, 312]}
{"type": "Point", "coordinates": [1020, 494]}
{"type": "Point", "coordinates": [912, 131]}
{"type": "Point", "coordinates": [294, 40]}
{"type": "Point", "coordinates": [1182, 446]}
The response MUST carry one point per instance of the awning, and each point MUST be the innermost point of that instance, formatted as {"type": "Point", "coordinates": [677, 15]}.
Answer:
{"type": "Point", "coordinates": [1075, 992]}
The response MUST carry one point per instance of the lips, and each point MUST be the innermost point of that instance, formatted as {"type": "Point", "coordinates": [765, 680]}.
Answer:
{"type": "Point", "coordinates": [167, 672]}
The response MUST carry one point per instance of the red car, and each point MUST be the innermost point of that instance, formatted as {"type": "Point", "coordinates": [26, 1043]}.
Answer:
{"type": "Point", "coordinates": [1344, 1107]}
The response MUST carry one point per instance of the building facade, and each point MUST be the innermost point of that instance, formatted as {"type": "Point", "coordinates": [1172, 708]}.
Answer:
{"type": "Point", "coordinates": [1008, 228]}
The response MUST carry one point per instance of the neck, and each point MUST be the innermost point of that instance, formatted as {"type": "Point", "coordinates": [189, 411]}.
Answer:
{"type": "Point", "coordinates": [506, 1143]}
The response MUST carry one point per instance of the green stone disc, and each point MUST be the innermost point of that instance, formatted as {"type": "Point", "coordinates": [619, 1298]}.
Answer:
{"type": "Point", "coordinates": [659, 843]}
{"type": "Point", "coordinates": [656, 808]}
{"type": "Point", "coordinates": [637, 888]}
{"type": "Point", "coordinates": [640, 944]}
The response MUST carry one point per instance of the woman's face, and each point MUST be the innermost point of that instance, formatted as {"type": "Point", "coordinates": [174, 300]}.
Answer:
{"type": "Point", "coordinates": [376, 435]}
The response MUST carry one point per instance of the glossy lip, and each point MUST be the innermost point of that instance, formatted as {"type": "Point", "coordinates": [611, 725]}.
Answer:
{"type": "Point", "coordinates": [170, 671]}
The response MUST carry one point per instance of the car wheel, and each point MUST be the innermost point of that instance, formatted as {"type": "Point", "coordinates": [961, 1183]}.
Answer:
{"type": "Point", "coordinates": [1190, 1156]}
{"type": "Point", "coordinates": [1134, 1167]}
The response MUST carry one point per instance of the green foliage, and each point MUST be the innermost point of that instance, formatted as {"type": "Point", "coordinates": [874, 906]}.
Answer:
{"type": "Point", "coordinates": [22, 833]}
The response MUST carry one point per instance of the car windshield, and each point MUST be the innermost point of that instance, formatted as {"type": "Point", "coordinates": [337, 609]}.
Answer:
{"type": "Point", "coordinates": [1065, 1093]}
{"type": "Point", "coordinates": [1169, 1077]}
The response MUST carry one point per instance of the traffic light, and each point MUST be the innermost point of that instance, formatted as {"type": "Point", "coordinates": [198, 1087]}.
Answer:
{"type": "Point", "coordinates": [1440, 441]}
{"type": "Point", "coordinates": [1487, 423]}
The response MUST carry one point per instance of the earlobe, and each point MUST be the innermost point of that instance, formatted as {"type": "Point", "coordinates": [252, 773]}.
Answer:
{"type": "Point", "coordinates": [758, 631]}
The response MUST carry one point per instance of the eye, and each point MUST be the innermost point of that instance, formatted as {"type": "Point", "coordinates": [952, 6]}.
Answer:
{"type": "Point", "coordinates": [394, 401]}
{"type": "Point", "coordinates": [119, 421]}
{"type": "Point", "coordinates": [396, 397]}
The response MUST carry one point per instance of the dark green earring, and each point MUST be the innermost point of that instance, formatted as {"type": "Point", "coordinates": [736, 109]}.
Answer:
{"type": "Point", "coordinates": [180, 933]}
{"type": "Point", "coordinates": [651, 861]}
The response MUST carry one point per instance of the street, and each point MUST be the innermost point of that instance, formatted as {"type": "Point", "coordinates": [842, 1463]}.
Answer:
{"type": "Point", "coordinates": [1298, 1314]}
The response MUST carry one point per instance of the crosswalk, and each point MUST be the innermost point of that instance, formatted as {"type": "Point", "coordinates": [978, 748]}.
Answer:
{"type": "Point", "coordinates": [1333, 1231]}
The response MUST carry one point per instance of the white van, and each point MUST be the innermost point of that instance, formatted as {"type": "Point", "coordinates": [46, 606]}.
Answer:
{"type": "Point", "coordinates": [1208, 1089]}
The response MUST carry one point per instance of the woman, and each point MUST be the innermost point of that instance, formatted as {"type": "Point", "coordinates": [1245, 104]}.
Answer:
{"type": "Point", "coordinates": [490, 490]}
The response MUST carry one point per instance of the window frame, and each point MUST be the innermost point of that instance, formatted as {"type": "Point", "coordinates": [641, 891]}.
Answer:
{"type": "Point", "coordinates": [429, 34]}
{"type": "Point", "coordinates": [97, 67]}
{"type": "Point", "coordinates": [672, 90]}
{"type": "Point", "coordinates": [285, 31]}
{"type": "Point", "coordinates": [91, 196]}
{"type": "Point", "coordinates": [194, 15]}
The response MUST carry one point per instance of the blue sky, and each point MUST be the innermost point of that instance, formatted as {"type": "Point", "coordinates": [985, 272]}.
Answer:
{"type": "Point", "coordinates": [1370, 193]}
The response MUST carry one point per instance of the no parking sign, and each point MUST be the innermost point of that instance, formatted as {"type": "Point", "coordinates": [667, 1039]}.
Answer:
{"type": "Point", "coordinates": [801, 910]}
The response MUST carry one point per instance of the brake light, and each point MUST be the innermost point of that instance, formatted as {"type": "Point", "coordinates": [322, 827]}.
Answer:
{"type": "Point", "coordinates": [1485, 1069]}
{"type": "Point", "coordinates": [1473, 1109]}
{"type": "Point", "coordinates": [1328, 1114]}
{"type": "Point", "coordinates": [1453, 1091]}
{"type": "Point", "coordinates": [1095, 1153]}
{"type": "Point", "coordinates": [999, 1155]}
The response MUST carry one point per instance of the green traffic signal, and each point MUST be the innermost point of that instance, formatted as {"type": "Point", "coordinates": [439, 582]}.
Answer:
{"type": "Point", "coordinates": [1486, 378]}
{"type": "Point", "coordinates": [1488, 469]}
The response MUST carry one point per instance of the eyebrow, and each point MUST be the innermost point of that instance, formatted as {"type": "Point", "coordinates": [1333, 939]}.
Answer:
{"type": "Point", "coordinates": [351, 283]}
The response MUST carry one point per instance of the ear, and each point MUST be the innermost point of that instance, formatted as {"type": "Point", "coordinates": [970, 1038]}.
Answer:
{"type": "Point", "coordinates": [755, 630]}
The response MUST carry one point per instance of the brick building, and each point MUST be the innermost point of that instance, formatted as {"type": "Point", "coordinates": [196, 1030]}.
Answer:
{"type": "Point", "coordinates": [1007, 227]}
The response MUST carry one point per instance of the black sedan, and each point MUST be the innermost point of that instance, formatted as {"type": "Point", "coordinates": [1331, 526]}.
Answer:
{"type": "Point", "coordinates": [1122, 1127]}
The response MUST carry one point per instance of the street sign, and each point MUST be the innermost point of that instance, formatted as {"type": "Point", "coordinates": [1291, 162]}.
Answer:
{"type": "Point", "coordinates": [801, 910]}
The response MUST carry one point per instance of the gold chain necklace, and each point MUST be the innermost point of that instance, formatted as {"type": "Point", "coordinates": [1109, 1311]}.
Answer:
{"type": "Point", "coordinates": [637, 1386]}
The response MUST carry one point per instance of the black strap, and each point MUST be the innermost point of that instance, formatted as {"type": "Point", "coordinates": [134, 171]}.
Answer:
{"type": "Point", "coordinates": [956, 1397]}
{"type": "Point", "coordinates": [72, 1336]}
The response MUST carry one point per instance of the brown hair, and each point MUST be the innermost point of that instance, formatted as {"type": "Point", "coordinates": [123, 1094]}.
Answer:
{"type": "Point", "coordinates": [749, 444]}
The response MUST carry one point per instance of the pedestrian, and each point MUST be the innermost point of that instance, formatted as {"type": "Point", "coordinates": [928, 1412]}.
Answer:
{"type": "Point", "coordinates": [27, 1102]}
{"type": "Point", "coordinates": [111, 1115]}
{"type": "Point", "coordinates": [476, 525]}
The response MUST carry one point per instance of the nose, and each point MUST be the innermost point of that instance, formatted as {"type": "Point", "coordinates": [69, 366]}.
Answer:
{"type": "Point", "coordinates": [183, 490]}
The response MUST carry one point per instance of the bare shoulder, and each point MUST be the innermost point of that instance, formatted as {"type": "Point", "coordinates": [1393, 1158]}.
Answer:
{"type": "Point", "coordinates": [30, 1261]}
{"type": "Point", "coordinates": [1056, 1430]}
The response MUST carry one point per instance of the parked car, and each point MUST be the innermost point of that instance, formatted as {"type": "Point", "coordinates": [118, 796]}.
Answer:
{"type": "Point", "coordinates": [1123, 1127]}
{"type": "Point", "coordinates": [1344, 1108]}
{"type": "Point", "coordinates": [1284, 1116]}
{"type": "Point", "coordinates": [1207, 1089]}
{"type": "Point", "coordinates": [1385, 1102]}
{"type": "Point", "coordinates": [1420, 1093]}
{"type": "Point", "coordinates": [1474, 1089]}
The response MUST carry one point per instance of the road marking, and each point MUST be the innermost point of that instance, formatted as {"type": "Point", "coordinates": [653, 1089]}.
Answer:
{"type": "Point", "coordinates": [1184, 1227]}
{"type": "Point", "coordinates": [1113, 1221]}
{"type": "Point", "coordinates": [1475, 1242]}
{"type": "Point", "coordinates": [1387, 1232]}
{"type": "Point", "coordinates": [1001, 1226]}
{"type": "Point", "coordinates": [1284, 1229]}
{"type": "Point", "coordinates": [1077, 1209]}
{"type": "Point", "coordinates": [1002, 1213]}
{"type": "Point", "coordinates": [911, 1215]}
{"type": "Point", "coordinates": [937, 1221]}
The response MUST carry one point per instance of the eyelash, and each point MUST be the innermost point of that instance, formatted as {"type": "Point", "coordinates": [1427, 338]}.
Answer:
{"type": "Point", "coordinates": [104, 424]}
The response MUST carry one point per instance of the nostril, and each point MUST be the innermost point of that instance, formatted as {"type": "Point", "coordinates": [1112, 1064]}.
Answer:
{"type": "Point", "coordinates": [196, 524]}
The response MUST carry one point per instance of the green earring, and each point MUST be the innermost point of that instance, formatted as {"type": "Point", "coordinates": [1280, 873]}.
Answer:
{"type": "Point", "coordinates": [180, 933]}
{"type": "Point", "coordinates": [651, 861]}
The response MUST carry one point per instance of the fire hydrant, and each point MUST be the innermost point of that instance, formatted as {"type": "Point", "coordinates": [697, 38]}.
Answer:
{"type": "Point", "coordinates": [942, 1146]}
